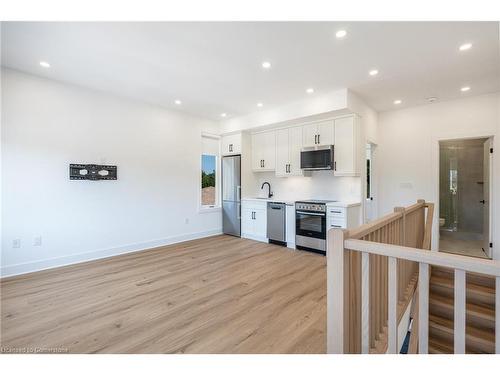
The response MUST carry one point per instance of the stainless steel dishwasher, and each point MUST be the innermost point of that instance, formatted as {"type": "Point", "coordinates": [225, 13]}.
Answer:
{"type": "Point", "coordinates": [276, 223]}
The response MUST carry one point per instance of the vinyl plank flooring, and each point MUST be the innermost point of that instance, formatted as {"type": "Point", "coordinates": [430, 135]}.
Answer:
{"type": "Point", "coordinates": [214, 295]}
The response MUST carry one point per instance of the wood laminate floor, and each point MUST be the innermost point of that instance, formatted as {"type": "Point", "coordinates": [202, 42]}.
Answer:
{"type": "Point", "coordinates": [215, 295]}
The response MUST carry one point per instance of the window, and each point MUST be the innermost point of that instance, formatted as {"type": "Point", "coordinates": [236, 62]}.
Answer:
{"type": "Point", "coordinates": [209, 198]}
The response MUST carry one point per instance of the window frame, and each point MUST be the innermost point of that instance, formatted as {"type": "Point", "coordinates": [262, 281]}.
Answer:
{"type": "Point", "coordinates": [217, 206]}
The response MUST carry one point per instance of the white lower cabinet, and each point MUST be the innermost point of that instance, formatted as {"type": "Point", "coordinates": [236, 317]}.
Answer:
{"type": "Point", "coordinates": [343, 217]}
{"type": "Point", "coordinates": [254, 220]}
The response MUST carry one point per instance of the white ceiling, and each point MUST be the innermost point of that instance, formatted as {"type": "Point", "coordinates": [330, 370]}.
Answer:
{"type": "Point", "coordinates": [215, 67]}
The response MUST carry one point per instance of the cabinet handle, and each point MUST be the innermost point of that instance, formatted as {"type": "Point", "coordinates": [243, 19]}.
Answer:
{"type": "Point", "coordinates": [319, 139]}
{"type": "Point", "coordinates": [231, 147]}
{"type": "Point", "coordinates": [263, 163]}
{"type": "Point", "coordinates": [334, 165]}
{"type": "Point", "coordinates": [315, 139]}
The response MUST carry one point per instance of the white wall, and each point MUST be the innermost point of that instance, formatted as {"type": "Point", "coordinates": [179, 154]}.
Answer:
{"type": "Point", "coordinates": [408, 153]}
{"type": "Point", "coordinates": [319, 185]}
{"type": "Point", "coordinates": [48, 125]}
{"type": "Point", "coordinates": [309, 108]}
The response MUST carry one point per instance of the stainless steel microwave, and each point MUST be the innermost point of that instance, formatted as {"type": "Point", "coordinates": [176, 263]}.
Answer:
{"type": "Point", "coordinates": [317, 159]}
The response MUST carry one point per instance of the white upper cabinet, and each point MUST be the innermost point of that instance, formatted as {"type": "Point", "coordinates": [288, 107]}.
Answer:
{"type": "Point", "coordinates": [264, 151]}
{"type": "Point", "coordinates": [231, 144]}
{"type": "Point", "coordinates": [288, 147]}
{"type": "Point", "coordinates": [326, 133]}
{"type": "Point", "coordinates": [346, 151]}
{"type": "Point", "coordinates": [282, 153]}
{"type": "Point", "coordinates": [310, 135]}
{"type": "Point", "coordinates": [318, 134]}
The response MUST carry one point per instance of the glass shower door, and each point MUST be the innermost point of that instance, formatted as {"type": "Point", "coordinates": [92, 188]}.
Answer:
{"type": "Point", "coordinates": [449, 188]}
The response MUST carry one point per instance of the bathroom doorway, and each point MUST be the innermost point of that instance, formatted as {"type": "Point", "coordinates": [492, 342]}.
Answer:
{"type": "Point", "coordinates": [464, 197]}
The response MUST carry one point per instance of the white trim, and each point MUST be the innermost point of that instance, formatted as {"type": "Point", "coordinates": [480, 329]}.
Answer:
{"type": "Point", "coordinates": [272, 127]}
{"type": "Point", "coordinates": [22, 268]}
{"type": "Point", "coordinates": [209, 210]}
{"type": "Point", "coordinates": [218, 181]}
{"type": "Point", "coordinates": [210, 135]}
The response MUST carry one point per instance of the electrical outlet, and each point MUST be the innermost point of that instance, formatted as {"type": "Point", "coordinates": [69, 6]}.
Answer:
{"type": "Point", "coordinates": [16, 244]}
{"type": "Point", "coordinates": [37, 241]}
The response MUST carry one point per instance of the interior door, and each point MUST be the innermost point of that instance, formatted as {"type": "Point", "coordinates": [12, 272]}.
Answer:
{"type": "Point", "coordinates": [487, 165]}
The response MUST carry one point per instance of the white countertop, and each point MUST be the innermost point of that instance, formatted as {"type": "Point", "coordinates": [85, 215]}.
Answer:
{"type": "Point", "coordinates": [345, 204]}
{"type": "Point", "coordinates": [288, 202]}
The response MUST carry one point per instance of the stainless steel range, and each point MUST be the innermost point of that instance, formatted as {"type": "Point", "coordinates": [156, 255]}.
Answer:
{"type": "Point", "coordinates": [310, 225]}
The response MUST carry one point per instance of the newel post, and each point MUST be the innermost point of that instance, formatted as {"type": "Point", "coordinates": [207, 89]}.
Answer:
{"type": "Point", "coordinates": [337, 292]}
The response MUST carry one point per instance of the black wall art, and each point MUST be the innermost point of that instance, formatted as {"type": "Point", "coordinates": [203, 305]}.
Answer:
{"type": "Point", "coordinates": [92, 172]}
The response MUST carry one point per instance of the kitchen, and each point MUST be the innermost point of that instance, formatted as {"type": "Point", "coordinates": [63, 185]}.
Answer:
{"type": "Point", "coordinates": [288, 185]}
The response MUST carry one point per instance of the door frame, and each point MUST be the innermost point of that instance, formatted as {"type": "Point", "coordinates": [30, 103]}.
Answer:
{"type": "Point", "coordinates": [373, 180]}
{"type": "Point", "coordinates": [435, 182]}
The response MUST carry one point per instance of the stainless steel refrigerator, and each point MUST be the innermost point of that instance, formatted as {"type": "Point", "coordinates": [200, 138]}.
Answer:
{"type": "Point", "coordinates": [231, 195]}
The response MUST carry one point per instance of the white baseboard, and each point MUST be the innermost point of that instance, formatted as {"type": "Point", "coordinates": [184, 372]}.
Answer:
{"type": "Point", "coordinates": [21, 268]}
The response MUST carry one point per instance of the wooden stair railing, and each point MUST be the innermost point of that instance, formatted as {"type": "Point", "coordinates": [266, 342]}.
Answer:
{"type": "Point", "coordinates": [372, 275]}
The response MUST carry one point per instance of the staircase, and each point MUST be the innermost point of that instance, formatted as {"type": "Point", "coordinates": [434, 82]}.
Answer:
{"type": "Point", "coordinates": [480, 316]}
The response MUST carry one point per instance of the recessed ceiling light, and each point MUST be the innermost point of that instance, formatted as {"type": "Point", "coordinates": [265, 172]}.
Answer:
{"type": "Point", "coordinates": [432, 99]}
{"type": "Point", "coordinates": [465, 47]}
{"type": "Point", "coordinates": [178, 102]}
{"type": "Point", "coordinates": [259, 104]}
{"type": "Point", "coordinates": [310, 90]}
{"type": "Point", "coordinates": [465, 88]}
{"type": "Point", "coordinates": [373, 72]}
{"type": "Point", "coordinates": [340, 34]}
{"type": "Point", "coordinates": [398, 101]}
{"type": "Point", "coordinates": [266, 65]}
{"type": "Point", "coordinates": [44, 64]}
{"type": "Point", "coordinates": [223, 114]}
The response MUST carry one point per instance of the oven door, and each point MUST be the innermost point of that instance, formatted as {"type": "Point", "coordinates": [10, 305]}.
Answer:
{"type": "Point", "coordinates": [310, 224]}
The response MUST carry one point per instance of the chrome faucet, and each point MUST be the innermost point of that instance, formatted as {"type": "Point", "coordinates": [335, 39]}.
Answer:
{"type": "Point", "coordinates": [270, 193]}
